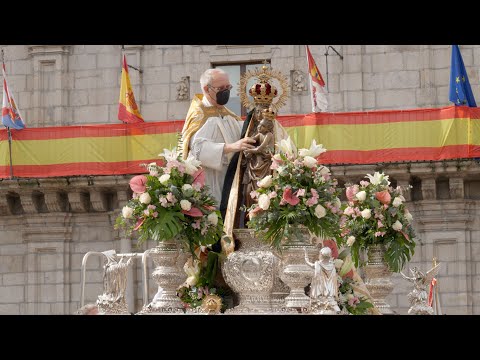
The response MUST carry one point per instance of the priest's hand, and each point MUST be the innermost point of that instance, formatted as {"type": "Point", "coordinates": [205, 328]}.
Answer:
{"type": "Point", "coordinates": [240, 145]}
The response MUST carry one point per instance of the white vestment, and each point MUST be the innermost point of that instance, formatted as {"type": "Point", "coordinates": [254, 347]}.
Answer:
{"type": "Point", "coordinates": [207, 146]}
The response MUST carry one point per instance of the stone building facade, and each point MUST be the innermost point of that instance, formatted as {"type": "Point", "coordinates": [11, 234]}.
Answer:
{"type": "Point", "coordinates": [47, 225]}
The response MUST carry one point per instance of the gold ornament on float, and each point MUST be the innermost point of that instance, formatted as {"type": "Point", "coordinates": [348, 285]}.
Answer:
{"type": "Point", "coordinates": [263, 92]}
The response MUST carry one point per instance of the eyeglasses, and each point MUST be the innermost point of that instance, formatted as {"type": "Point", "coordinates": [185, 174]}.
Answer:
{"type": "Point", "coordinates": [217, 89]}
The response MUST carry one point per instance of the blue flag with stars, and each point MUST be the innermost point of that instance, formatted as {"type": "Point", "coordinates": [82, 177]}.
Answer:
{"type": "Point", "coordinates": [460, 90]}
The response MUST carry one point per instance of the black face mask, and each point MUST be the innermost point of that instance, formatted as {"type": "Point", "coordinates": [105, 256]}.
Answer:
{"type": "Point", "coordinates": [223, 96]}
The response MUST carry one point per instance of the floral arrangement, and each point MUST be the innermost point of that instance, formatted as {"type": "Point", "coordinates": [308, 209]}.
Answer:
{"type": "Point", "coordinates": [376, 214]}
{"type": "Point", "coordinates": [172, 202]}
{"type": "Point", "coordinates": [301, 192]}
{"type": "Point", "coordinates": [351, 300]}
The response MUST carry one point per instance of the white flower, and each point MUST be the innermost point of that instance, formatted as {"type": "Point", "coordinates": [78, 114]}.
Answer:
{"type": "Point", "coordinates": [264, 201]}
{"type": "Point", "coordinates": [164, 179]}
{"type": "Point", "coordinates": [277, 157]}
{"type": "Point", "coordinates": [337, 202]}
{"type": "Point", "coordinates": [127, 212]}
{"type": "Point", "coordinates": [377, 178]}
{"type": "Point", "coordinates": [265, 182]}
{"type": "Point", "coordinates": [212, 218]}
{"type": "Point", "coordinates": [192, 269]}
{"type": "Point", "coordinates": [145, 198]}
{"type": "Point", "coordinates": [153, 169]}
{"type": "Point", "coordinates": [191, 165]}
{"type": "Point", "coordinates": [285, 146]}
{"type": "Point", "coordinates": [397, 201]}
{"type": "Point", "coordinates": [309, 161]}
{"type": "Point", "coordinates": [338, 264]}
{"type": "Point", "coordinates": [186, 187]}
{"type": "Point", "coordinates": [397, 226]}
{"type": "Point", "coordinates": [361, 195]}
{"type": "Point", "coordinates": [169, 155]}
{"type": "Point", "coordinates": [314, 150]}
{"type": "Point", "coordinates": [185, 205]}
{"type": "Point", "coordinates": [324, 170]}
{"type": "Point", "coordinates": [408, 216]}
{"type": "Point", "coordinates": [320, 211]}
{"type": "Point", "coordinates": [366, 214]}
{"type": "Point", "coordinates": [350, 240]}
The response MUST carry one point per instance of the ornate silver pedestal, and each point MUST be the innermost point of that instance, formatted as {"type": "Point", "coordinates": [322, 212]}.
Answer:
{"type": "Point", "coordinates": [377, 277]}
{"type": "Point", "coordinates": [169, 275]}
{"type": "Point", "coordinates": [250, 272]}
{"type": "Point", "coordinates": [295, 272]}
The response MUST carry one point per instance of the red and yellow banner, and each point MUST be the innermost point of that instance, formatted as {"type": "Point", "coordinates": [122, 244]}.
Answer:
{"type": "Point", "coordinates": [127, 108]}
{"type": "Point", "coordinates": [350, 138]}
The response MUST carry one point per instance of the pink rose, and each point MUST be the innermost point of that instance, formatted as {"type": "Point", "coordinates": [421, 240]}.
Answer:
{"type": "Point", "coordinates": [383, 196]}
{"type": "Point", "coordinates": [351, 191]}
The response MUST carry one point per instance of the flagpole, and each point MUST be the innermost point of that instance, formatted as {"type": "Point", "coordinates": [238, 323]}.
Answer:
{"type": "Point", "coordinates": [9, 133]}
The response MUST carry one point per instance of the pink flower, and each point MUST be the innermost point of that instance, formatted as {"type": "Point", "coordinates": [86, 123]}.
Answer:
{"type": "Point", "coordinates": [193, 212]}
{"type": "Point", "coordinates": [272, 195]}
{"type": "Point", "coordinates": [255, 212]}
{"type": "Point", "coordinates": [333, 246]}
{"type": "Point", "coordinates": [196, 224]}
{"type": "Point", "coordinates": [137, 184]}
{"type": "Point", "coordinates": [289, 197]}
{"type": "Point", "coordinates": [199, 178]}
{"type": "Point", "coordinates": [300, 192]}
{"type": "Point", "coordinates": [139, 224]}
{"type": "Point", "coordinates": [364, 183]}
{"type": "Point", "coordinates": [351, 191]}
{"type": "Point", "coordinates": [155, 214]}
{"type": "Point", "coordinates": [171, 198]}
{"type": "Point", "coordinates": [383, 196]}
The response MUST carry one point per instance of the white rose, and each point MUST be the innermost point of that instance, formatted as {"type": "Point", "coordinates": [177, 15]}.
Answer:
{"type": "Point", "coordinates": [397, 201]}
{"type": "Point", "coordinates": [145, 198]}
{"type": "Point", "coordinates": [309, 161]}
{"type": "Point", "coordinates": [361, 195]}
{"type": "Point", "coordinates": [337, 203]}
{"type": "Point", "coordinates": [127, 212]}
{"type": "Point", "coordinates": [338, 264]}
{"type": "Point", "coordinates": [213, 218]}
{"type": "Point", "coordinates": [408, 216]}
{"type": "Point", "coordinates": [367, 214]}
{"type": "Point", "coordinates": [397, 226]}
{"type": "Point", "coordinates": [264, 201]}
{"type": "Point", "coordinates": [187, 187]}
{"type": "Point", "coordinates": [185, 205]}
{"type": "Point", "coordinates": [320, 211]}
{"type": "Point", "coordinates": [350, 240]}
{"type": "Point", "coordinates": [164, 178]}
{"type": "Point", "coordinates": [265, 182]}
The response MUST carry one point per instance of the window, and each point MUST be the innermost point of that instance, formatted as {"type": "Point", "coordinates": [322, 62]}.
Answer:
{"type": "Point", "coordinates": [235, 71]}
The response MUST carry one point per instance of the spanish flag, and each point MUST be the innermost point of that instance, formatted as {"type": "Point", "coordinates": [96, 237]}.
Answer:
{"type": "Point", "coordinates": [127, 107]}
{"type": "Point", "coordinates": [317, 85]}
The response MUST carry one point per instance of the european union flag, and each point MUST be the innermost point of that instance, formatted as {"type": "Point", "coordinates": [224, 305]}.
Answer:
{"type": "Point", "coordinates": [460, 90]}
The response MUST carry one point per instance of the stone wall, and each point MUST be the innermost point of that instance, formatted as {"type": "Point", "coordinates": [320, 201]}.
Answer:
{"type": "Point", "coordinates": [79, 84]}
{"type": "Point", "coordinates": [47, 225]}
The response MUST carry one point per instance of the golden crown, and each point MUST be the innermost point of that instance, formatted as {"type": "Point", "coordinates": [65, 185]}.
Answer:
{"type": "Point", "coordinates": [263, 92]}
{"type": "Point", "coordinates": [268, 114]}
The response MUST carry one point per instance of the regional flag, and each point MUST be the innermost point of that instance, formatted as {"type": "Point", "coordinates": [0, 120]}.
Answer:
{"type": "Point", "coordinates": [127, 107]}
{"type": "Point", "coordinates": [11, 117]}
{"type": "Point", "coordinates": [460, 90]}
{"type": "Point", "coordinates": [317, 85]}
